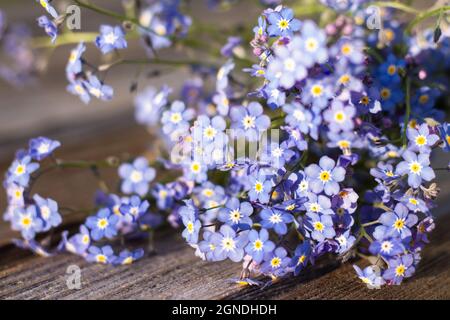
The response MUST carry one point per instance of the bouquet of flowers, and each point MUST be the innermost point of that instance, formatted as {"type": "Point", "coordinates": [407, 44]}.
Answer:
{"type": "Point", "coordinates": [311, 139]}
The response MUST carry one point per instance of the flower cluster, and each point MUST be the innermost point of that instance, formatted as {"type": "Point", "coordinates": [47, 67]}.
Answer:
{"type": "Point", "coordinates": [113, 216]}
{"type": "Point", "coordinates": [327, 99]}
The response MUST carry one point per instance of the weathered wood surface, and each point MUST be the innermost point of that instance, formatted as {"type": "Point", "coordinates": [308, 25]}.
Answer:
{"type": "Point", "coordinates": [175, 273]}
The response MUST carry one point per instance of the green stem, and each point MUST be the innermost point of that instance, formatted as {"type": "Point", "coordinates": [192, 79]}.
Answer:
{"type": "Point", "coordinates": [64, 39]}
{"type": "Point", "coordinates": [408, 110]}
{"type": "Point", "coordinates": [370, 223]}
{"type": "Point", "coordinates": [112, 14]}
{"type": "Point", "coordinates": [423, 16]}
{"type": "Point", "coordinates": [395, 5]}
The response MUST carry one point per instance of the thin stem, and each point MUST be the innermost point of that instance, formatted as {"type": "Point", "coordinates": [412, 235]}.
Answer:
{"type": "Point", "coordinates": [370, 223]}
{"type": "Point", "coordinates": [64, 39]}
{"type": "Point", "coordinates": [112, 14]}
{"type": "Point", "coordinates": [424, 16]}
{"type": "Point", "coordinates": [396, 5]}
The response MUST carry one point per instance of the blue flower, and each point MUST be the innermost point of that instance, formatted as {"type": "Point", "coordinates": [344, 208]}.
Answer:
{"type": "Point", "coordinates": [298, 117]}
{"type": "Point", "coordinates": [365, 103]}
{"type": "Point", "coordinates": [320, 226]}
{"type": "Point", "coordinates": [48, 212]}
{"type": "Point", "coordinates": [388, 71]}
{"type": "Point", "coordinates": [260, 187]}
{"type": "Point", "coordinates": [20, 170]}
{"type": "Point", "coordinates": [312, 43]}
{"type": "Point", "coordinates": [27, 222]}
{"type": "Point", "coordinates": [277, 155]}
{"type": "Point", "coordinates": [349, 49]}
{"type": "Point", "coordinates": [176, 120]}
{"type": "Point", "coordinates": [276, 220]}
{"type": "Point", "coordinates": [46, 5]}
{"type": "Point", "coordinates": [398, 222]}
{"type": "Point", "coordinates": [128, 257]}
{"type": "Point", "coordinates": [317, 94]}
{"type": "Point", "coordinates": [134, 209]}
{"type": "Point", "coordinates": [149, 103]}
{"type": "Point", "coordinates": [417, 167]}
{"type": "Point", "coordinates": [236, 214]}
{"type": "Point", "coordinates": [275, 97]}
{"type": "Point", "coordinates": [259, 244]}
{"type": "Point", "coordinates": [287, 67]}
{"type": "Point", "coordinates": [260, 29]}
{"type": "Point", "coordinates": [74, 64]}
{"type": "Point", "coordinates": [228, 49]}
{"type": "Point", "coordinates": [228, 244]}
{"type": "Point", "coordinates": [222, 76]}
{"type": "Point", "coordinates": [301, 257]}
{"type": "Point", "coordinates": [389, 95]}
{"type": "Point", "coordinates": [42, 147]}
{"type": "Point", "coordinates": [79, 88]}
{"type": "Point", "coordinates": [399, 268]}
{"type": "Point", "coordinates": [370, 276]}
{"type": "Point", "coordinates": [386, 246]}
{"type": "Point", "coordinates": [275, 262]}
{"type": "Point", "coordinates": [111, 38]}
{"type": "Point", "coordinates": [189, 216]}
{"type": "Point", "coordinates": [318, 204]}
{"type": "Point", "coordinates": [97, 89]}
{"type": "Point", "coordinates": [339, 117]}
{"type": "Point", "coordinates": [282, 23]}
{"type": "Point", "coordinates": [49, 26]}
{"type": "Point", "coordinates": [164, 196]}
{"type": "Point", "coordinates": [249, 121]}
{"type": "Point", "coordinates": [104, 255]}
{"type": "Point", "coordinates": [103, 224]}
{"type": "Point", "coordinates": [421, 139]}
{"type": "Point", "coordinates": [79, 242]}
{"type": "Point", "coordinates": [325, 176]}
{"type": "Point", "coordinates": [136, 176]}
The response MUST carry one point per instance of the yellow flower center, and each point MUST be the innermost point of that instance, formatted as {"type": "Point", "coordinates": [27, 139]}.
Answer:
{"type": "Point", "coordinates": [127, 260]}
{"type": "Point", "coordinates": [190, 227]}
{"type": "Point", "coordinates": [423, 98]}
{"type": "Point", "coordinates": [301, 259]}
{"type": "Point", "coordinates": [102, 223]}
{"type": "Point", "coordinates": [392, 69]}
{"type": "Point", "coordinates": [290, 207]}
{"type": "Point", "coordinates": [275, 262]}
{"type": "Point", "coordinates": [316, 90]}
{"type": "Point", "coordinates": [248, 122]}
{"type": "Point", "coordinates": [344, 144]}
{"type": "Point", "coordinates": [315, 207]}
{"type": "Point", "coordinates": [339, 116]}
{"type": "Point", "coordinates": [209, 132]}
{"type": "Point", "coordinates": [399, 224]}
{"type": "Point", "coordinates": [311, 44]}
{"type": "Point", "coordinates": [208, 193]}
{"type": "Point", "coordinates": [365, 100]}
{"type": "Point", "coordinates": [415, 167]}
{"type": "Point", "coordinates": [228, 244]}
{"type": "Point", "coordinates": [257, 245]}
{"type": "Point", "coordinates": [258, 187]}
{"type": "Point", "coordinates": [275, 218]}
{"type": "Point", "coordinates": [389, 173]}
{"type": "Point", "coordinates": [389, 35]}
{"type": "Point", "coordinates": [175, 117]}
{"type": "Point", "coordinates": [101, 258]}
{"type": "Point", "coordinates": [318, 226]}
{"type": "Point", "coordinates": [385, 93]}
{"type": "Point", "coordinates": [235, 215]}
{"type": "Point", "coordinates": [400, 270]}
{"type": "Point", "coordinates": [421, 140]}
{"type": "Point", "coordinates": [346, 49]}
{"type": "Point", "coordinates": [195, 167]}
{"type": "Point", "coordinates": [20, 169]}
{"type": "Point", "coordinates": [344, 79]}
{"type": "Point", "coordinates": [283, 24]}
{"type": "Point", "coordinates": [324, 176]}
{"type": "Point", "coordinates": [85, 239]}
{"type": "Point", "coordinates": [26, 222]}
{"type": "Point", "coordinates": [413, 201]}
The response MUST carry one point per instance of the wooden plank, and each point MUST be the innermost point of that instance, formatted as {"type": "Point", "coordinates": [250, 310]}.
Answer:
{"type": "Point", "coordinates": [175, 273]}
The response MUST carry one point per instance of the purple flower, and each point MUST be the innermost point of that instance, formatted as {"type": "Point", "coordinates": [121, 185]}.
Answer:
{"type": "Point", "coordinates": [397, 222]}
{"type": "Point", "coordinates": [228, 244]}
{"type": "Point", "coordinates": [49, 26]}
{"type": "Point", "coordinates": [27, 222]}
{"type": "Point", "coordinates": [102, 255]}
{"type": "Point", "coordinates": [42, 147]}
{"type": "Point", "coordinates": [339, 117]}
{"type": "Point", "coordinates": [301, 257]}
{"type": "Point", "coordinates": [48, 212]}
{"type": "Point", "coordinates": [417, 167]}
{"type": "Point", "coordinates": [318, 204]}
{"type": "Point", "coordinates": [276, 220]}
{"type": "Point", "coordinates": [20, 170]}
{"type": "Point", "coordinates": [399, 268]}
{"type": "Point", "coordinates": [136, 176]}
{"type": "Point", "coordinates": [103, 224]}
{"type": "Point", "coordinates": [249, 121]}
{"type": "Point", "coordinates": [282, 23]}
{"type": "Point", "coordinates": [111, 38]}
{"type": "Point", "coordinates": [236, 214]}
{"type": "Point", "coordinates": [320, 226]}
{"type": "Point", "coordinates": [325, 176]}
{"type": "Point", "coordinates": [260, 187]}
{"type": "Point", "coordinates": [259, 244]}
{"type": "Point", "coordinates": [421, 140]}
{"type": "Point", "coordinates": [275, 262]}
{"type": "Point", "coordinates": [370, 276]}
